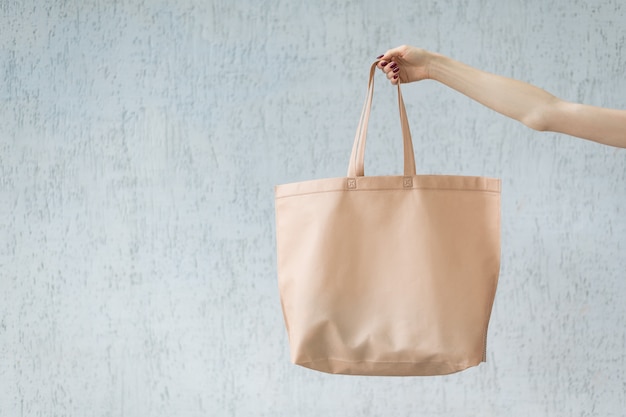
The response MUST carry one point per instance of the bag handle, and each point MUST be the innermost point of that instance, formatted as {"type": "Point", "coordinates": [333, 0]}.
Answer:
{"type": "Point", "coordinates": [356, 166]}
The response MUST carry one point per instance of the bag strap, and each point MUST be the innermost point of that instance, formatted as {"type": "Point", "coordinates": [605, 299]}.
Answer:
{"type": "Point", "coordinates": [356, 166]}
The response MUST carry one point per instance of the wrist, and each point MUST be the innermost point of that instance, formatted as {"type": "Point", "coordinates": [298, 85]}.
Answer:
{"type": "Point", "coordinates": [435, 65]}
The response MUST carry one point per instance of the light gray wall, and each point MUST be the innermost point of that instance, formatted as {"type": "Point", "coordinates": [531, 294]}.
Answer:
{"type": "Point", "coordinates": [140, 141]}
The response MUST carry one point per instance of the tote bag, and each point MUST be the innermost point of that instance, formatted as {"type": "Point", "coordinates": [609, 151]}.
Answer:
{"type": "Point", "coordinates": [388, 275]}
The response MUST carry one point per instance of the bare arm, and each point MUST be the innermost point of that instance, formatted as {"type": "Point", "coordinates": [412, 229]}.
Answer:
{"type": "Point", "coordinates": [521, 101]}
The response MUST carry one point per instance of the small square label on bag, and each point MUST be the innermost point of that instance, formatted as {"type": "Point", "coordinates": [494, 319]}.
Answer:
{"type": "Point", "coordinates": [351, 183]}
{"type": "Point", "coordinates": [408, 182]}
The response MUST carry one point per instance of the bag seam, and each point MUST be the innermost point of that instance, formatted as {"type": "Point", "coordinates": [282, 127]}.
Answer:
{"type": "Point", "coordinates": [389, 189]}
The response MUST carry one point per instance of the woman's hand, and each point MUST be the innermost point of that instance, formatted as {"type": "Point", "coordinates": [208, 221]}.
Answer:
{"type": "Point", "coordinates": [405, 64]}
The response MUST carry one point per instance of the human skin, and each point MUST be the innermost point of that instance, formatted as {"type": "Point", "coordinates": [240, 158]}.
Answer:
{"type": "Point", "coordinates": [530, 105]}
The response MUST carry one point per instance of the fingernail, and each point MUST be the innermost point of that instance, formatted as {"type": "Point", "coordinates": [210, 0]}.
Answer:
{"type": "Point", "coordinates": [383, 63]}
{"type": "Point", "coordinates": [393, 65]}
{"type": "Point", "coordinates": [395, 77]}
{"type": "Point", "coordinates": [380, 56]}
{"type": "Point", "coordinates": [396, 69]}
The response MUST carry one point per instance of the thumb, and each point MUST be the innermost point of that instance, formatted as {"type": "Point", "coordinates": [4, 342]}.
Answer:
{"type": "Point", "coordinates": [398, 51]}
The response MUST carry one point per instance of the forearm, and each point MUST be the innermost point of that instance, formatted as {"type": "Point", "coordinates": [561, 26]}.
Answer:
{"type": "Point", "coordinates": [534, 107]}
{"type": "Point", "coordinates": [512, 98]}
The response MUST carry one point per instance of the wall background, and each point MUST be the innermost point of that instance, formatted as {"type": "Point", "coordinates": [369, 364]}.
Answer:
{"type": "Point", "coordinates": [140, 141]}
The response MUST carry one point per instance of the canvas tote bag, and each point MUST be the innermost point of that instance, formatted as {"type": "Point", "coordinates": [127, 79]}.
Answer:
{"type": "Point", "coordinates": [388, 275]}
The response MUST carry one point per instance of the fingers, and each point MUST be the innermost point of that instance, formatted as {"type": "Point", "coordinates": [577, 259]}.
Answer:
{"type": "Point", "coordinates": [389, 67]}
{"type": "Point", "coordinates": [392, 70]}
{"type": "Point", "coordinates": [389, 63]}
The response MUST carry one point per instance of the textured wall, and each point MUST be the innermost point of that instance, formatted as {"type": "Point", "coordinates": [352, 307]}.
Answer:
{"type": "Point", "coordinates": [139, 144]}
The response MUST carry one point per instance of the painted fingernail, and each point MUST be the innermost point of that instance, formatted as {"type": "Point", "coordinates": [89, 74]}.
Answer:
{"type": "Point", "coordinates": [395, 77]}
{"type": "Point", "coordinates": [383, 63]}
{"type": "Point", "coordinates": [396, 69]}
{"type": "Point", "coordinates": [393, 65]}
{"type": "Point", "coordinates": [380, 56]}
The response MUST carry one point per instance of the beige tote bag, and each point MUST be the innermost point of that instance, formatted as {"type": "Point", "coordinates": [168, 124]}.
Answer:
{"type": "Point", "coordinates": [388, 275]}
